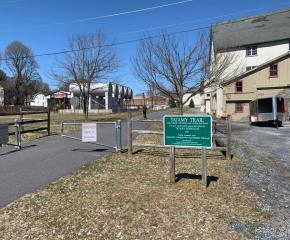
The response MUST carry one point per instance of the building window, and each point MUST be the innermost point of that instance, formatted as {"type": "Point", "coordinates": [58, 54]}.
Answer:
{"type": "Point", "coordinates": [249, 68]}
{"type": "Point", "coordinates": [239, 86]}
{"type": "Point", "coordinates": [274, 70]}
{"type": "Point", "coordinates": [251, 51]}
{"type": "Point", "coordinates": [239, 108]}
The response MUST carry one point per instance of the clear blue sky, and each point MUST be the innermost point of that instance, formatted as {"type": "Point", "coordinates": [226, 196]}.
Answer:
{"type": "Point", "coordinates": [23, 20]}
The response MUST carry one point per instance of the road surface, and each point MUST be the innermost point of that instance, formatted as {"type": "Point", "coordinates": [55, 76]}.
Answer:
{"type": "Point", "coordinates": [43, 161]}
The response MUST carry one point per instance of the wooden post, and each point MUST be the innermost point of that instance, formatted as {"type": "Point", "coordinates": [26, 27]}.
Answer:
{"type": "Point", "coordinates": [61, 128]}
{"type": "Point", "coordinates": [214, 132]}
{"type": "Point", "coordinates": [20, 114]}
{"type": "Point", "coordinates": [48, 122]}
{"type": "Point", "coordinates": [172, 165]}
{"type": "Point", "coordinates": [204, 166]}
{"type": "Point", "coordinates": [229, 140]}
{"type": "Point", "coordinates": [130, 143]}
{"type": "Point", "coordinates": [21, 126]}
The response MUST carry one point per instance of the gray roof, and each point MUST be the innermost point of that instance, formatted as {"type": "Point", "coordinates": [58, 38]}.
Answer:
{"type": "Point", "coordinates": [263, 28]}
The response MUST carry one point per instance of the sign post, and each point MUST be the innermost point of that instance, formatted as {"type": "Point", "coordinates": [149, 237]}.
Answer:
{"type": "Point", "coordinates": [190, 131]}
{"type": "Point", "coordinates": [204, 166]}
{"type": "Point", "coordinates": [89, 132]}
{"type": "Point", "coordinates": [172, 165]}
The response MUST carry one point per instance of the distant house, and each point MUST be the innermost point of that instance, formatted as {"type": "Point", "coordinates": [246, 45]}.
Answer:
{"type": "Point", "coordinates": [1, 96]}
{"type": "Point", "coordinates": [39, 100]}
{"type": "Point", "coordinates": [60, 100]}
{"type": "Point", "coordinates": [252, 41]}
{"type": "Point", "coordinates": [104, 97]}
{"type": "Point", "coordinates": [155, 102]}
{"type": "Point", "coordinates": [197, 99]}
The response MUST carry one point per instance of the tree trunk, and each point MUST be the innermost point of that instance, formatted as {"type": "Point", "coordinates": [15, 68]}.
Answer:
{"type": "Point", "coordinates": [180, 107]}
{"type": "Point", "coordinates": [87, 112]}
{"type": "Point", "coordinates": [180, 111]}
{"type": "Point", "coordinates": [85, 107]}
{"type": "Point", "coordinates": [18, 101]}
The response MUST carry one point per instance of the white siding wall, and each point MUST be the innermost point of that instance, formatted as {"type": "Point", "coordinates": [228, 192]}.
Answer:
{"type": "Point", "coordinates": [197, 99]}
{"type": "Point", "coordinates": [39, 100]}
{"type": "Point", "coordinates": [265, 53]}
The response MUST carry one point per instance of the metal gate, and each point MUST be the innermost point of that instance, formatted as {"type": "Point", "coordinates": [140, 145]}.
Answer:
{"type": "Point", "coordinates": [115, 136]}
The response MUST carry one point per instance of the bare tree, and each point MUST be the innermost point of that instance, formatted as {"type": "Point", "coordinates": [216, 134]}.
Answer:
{"type": "Point", "coordinates": [3, 76]}
{"type": "Point", "coordinates": [32, 87]}
{"type": "Point", "coordinates": [175, 67]}
{"type": "Point", "coordinates": [89, 59]}
{"type": "Point", "coordinates": [22, 66]}
{"type": "Point", "coordinates": [152, 92]}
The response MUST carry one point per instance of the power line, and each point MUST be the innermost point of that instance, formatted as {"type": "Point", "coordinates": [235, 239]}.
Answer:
{"type": "Point", "coordinates": [130, 41]}
{"type": "Point", "coordinates": [198, 20]}
{"type": "Point", "coordinates": [109, 45]}
{"type": "Point", "coordinates": [11, 1]}
{"type": "Point", "coordinates": [81, 20]}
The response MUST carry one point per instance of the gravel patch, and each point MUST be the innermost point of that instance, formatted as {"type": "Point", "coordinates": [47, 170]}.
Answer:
{"type": "Point", "coordinates": [265, 153]}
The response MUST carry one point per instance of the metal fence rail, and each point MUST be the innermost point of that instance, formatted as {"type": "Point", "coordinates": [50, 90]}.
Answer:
{"type": "Point", "coordinates": [118, 135]}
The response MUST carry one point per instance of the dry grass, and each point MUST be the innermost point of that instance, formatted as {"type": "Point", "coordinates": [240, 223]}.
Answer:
{"type": "Point", "coordinates": [129, 197]}
{"type": "Point", "coordinates": [56, 119]}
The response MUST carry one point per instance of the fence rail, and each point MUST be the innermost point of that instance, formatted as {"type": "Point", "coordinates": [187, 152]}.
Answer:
{"type": "Point", "coordinates": [147, 132]}
{"type": "Point", "coordinates": [20, 121]}
{"type": "Point", "coordinates": [221, 128]}
{"type": "Point", "coordinates": [22, 113]}
{"type": "Point", "coordinates": [118, 133]}
{"type": "Point", "coordinates": [217, 134]}
{"type": "Point", "coordinates": [17, 109]}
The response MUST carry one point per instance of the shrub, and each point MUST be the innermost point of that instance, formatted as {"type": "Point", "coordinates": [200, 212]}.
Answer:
{"type": "Point", "coordinates": [191, 103]}
{"type": "Point", "coordinates": [172, 103]}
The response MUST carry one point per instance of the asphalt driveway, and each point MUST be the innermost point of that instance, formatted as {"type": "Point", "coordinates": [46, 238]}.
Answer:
{"type": "Point", "coordinates": [43, 161]}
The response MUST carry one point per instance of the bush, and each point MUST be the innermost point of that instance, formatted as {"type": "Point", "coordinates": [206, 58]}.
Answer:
{"type": "Point", "coordinates": [172, 103]}
{"type": "Point", "coordinates": [191, 103]}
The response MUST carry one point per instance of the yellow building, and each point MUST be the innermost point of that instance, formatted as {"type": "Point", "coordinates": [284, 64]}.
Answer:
{"type": "Point", "coordinates": [269, 79]}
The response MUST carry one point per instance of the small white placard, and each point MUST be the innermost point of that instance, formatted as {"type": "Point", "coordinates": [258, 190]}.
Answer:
{"type": "Point", "coordinates": [89, 132]}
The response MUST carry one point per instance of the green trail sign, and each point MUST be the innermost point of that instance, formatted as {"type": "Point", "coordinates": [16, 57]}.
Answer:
{"type": "Point", "coordinates": [187, 131]}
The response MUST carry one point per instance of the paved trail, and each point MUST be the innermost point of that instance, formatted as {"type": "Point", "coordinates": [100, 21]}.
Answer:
{"type": "Point", "coordinates": [46, 160]}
